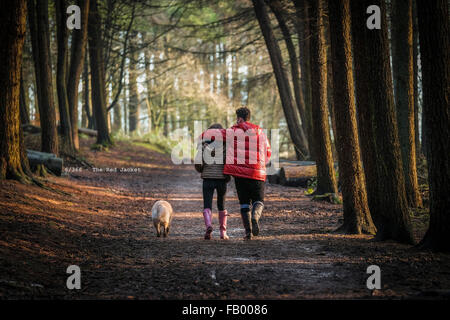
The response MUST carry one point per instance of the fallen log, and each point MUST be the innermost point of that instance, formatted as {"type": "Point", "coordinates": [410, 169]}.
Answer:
{"type": "Point", "coordinates": [274, 178]}
{"type": "Point", "coordinates": [88, 132]}
{"type": "Point", "coordinates": [297, 176]}
{"type": "Point", "coordinates": [49, 160]}
{"type": "Point", "coordinates": [31, 129]}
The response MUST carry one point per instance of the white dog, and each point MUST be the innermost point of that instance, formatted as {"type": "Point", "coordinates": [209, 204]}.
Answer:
{"type": "Point", "coordinates": [162, 217]}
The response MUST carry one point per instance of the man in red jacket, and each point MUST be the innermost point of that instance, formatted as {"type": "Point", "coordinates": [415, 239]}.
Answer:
{"type": "Point", "coordinates": [248, 151]}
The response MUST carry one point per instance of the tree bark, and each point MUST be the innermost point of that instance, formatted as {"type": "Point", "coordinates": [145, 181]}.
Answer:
{"type": "Point", "coordinates": [390, 212]}
{"type": "Point", "coordinates": [49, 136]}
{"type": "Point", "coordinates": [434, 35]}
{"type": "Point", "coordinates": [78, 51]}
{"type": "Point", "coordinates": [295, 130]}
{"type": "Point", "coordinates": [13, 26]}
{"type": "Point", "coordinates": [357, 218]}
{"type": "Point", "coordinates": [326, 179]}
{"type": "Point", "coordinates": [97, 75]}
{"type": "Point", "coordinates": [403, 71]}
{"type": "Point", "coordinates": [62, 39]}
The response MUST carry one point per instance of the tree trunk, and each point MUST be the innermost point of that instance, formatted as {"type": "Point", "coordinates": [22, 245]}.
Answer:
{"type": "Point", "coordinates": [295, 67]}
{"type": "Point", "coordinates": [357, 218]}
{"type": "Point", "coordinates": [326, 179]}
{"type": "Point", "coordinates": [390, 213]}
{"type": "Point", "coordinates": [87, 106]}
{"type": "Point", "coordinates": [78, 51]}
{"type": "Point", "coordinates": [416, 79]}
{"type": "Point", "coordinates": [49, 136]}
{"type": "Point", "coordinates": [434, 34]}
{"type": "Point", "coordinates": [32, 25]}
{"type": "Point", "coordinates": [97, 75]}
{"type": "Point", "coordinates": [24, 110]}
{"type": "Point", "coordinates": [364, 105]}
{"type": "Point", "coordinates": [304, 36]}
{"type": "Point", "coordinates": [13, 26]}
{"type": "Point", "coordinates": [148, 83]}
{"type": "Point", "coordinates": [64, 116]}
{"type": "Point", "coordinates": [403, 71]}
{"type": "Point", "coordinates": [133, 105]}
{"type": "Point", "coordinates": [284, 89]}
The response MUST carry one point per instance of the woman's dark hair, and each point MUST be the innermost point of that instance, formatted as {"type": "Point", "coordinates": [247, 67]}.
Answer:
{"type": "Point", "coordinates": [243, 113]}
{"type": "Point", "coordinates": [215, 126]}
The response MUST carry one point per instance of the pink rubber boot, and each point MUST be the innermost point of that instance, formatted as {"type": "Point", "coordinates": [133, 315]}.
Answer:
{"type": "Point", "coordinates": [207, 216]}
{"type": "Point", "coordinates": [223, 224]}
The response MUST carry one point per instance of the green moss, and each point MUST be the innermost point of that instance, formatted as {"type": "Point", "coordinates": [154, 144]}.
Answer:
{"type": "Point", "coordinates": [154, 147]}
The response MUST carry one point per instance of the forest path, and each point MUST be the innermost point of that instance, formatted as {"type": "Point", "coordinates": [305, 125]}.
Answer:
{"type": "Point", "coordinates": [102, 222]}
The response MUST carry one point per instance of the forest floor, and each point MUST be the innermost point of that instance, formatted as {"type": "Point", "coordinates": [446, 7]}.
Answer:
{"type": "Point", "coordinates": [101, 221]}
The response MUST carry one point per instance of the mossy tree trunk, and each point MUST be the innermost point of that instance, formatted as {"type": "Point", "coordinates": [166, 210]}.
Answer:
{"type": "Point", "coordinates": [326, 179]}
{"type": "Point", "coordinates": [403, 72]}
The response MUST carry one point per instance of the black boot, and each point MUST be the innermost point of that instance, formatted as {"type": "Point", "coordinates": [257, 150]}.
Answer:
{"type": "Point", "coordinates": [246, 216]}
{"type": "Point", "coordinates": [257, 210]}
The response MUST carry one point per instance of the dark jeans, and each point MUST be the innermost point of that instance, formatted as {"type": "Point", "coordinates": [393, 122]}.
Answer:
{"type": "Point", "coordinates": [209, 185]}
{"type": "Point", "coordinates": [249, 190]}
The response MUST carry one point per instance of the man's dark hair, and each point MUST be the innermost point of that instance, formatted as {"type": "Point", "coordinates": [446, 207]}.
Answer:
{"type": "Point", "coordinates": [215, 126]}
{"type": "Point", "coordinates": [243, 113]}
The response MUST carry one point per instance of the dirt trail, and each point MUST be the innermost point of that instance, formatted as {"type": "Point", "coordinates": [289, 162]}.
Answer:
{"type": "Point", "coordinates": [101, 222]}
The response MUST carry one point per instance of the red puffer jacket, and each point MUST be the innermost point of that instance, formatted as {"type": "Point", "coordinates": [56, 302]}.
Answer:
{"type": "Point", "coordinates": [248, 151]}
